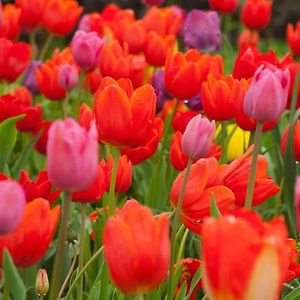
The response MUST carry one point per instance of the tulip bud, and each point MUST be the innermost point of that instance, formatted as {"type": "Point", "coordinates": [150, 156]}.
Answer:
{"type": "Point", "coordinates": [267, 96]}
{"type": "Point", "coordinates": [42, 283]}
{"type": "Point", "coordinates": [198, 137]}
{"type": "Point", "coordinates": [297, 201]}
{"type": "Point", "coordinates": [86, 48]}
{"type": "Point", "coordinates": [12, 205]}
{"type": "Point", "coordinates": [72, 155]}
{"type": "Point", "coordinates": [67, 77]}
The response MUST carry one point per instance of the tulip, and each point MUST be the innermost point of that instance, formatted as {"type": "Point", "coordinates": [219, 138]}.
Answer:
{"type": "Point", "coordinates": [72, 155]}
{"type": "Point", "coordinates": [92, 80]}
{"type": "Point", "coordinates": [12, 205]}
{"type": "Point", "coordinates": [181, 119]}
{"type": "Point", "coordinates": [153, 2]}
{"type": "Point", "coordinates": [133, 253]}
{"type": "Point", "coordinates": [294, 266]}
{"type": "Point", "coordinates": [224, 6]}
{"type": "Point", "coordinates": [29, 242]}
{"type": "Point", "coordinates": [201, 30]}
{"type": "Point", "coordinates": [86, 48]}
{"type": "Point", "coordinates": [14, 59]}
{"type": "Point", "coordinates": [293, 38]}
{"type": "Point", "coordinates": [41, 143]}
{"type": "Point", "coordinates": [297, 202]}
{"type": "Point", "coordinates": [266, 98]}
{"type": "Point", "coordinates": [135, 37]}
{"type": "Point", "coordinates": [10, 27]}
{"type": "Point", "coordinates": [29, 80]}
{"type": "Point", "coordinates": [248, 38]}
{"type": "Point", "coordinates": [254, 267]}
{"type": "Point", "coordinates": [67, 77]}
{"type": "Point", "coordinates": [296, 140]}
{"type": "Point", "coordinates": [198, 137]}
{"type": "Point", "coordinates": [219, 96]}
{"type": "Point", "coordinates": [86, 116]}
{"type": "Point", "coordinates": [42, 283]}
{"type": "Point", "coordinates": [60, 17]}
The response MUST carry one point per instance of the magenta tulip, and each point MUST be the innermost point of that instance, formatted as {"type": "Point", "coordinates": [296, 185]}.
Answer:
{"type": "Point", "coordinates": [198, 137]}
{"type": "Point", "coordinates": [12, 205]}
{"type": "Point", "coordinates": [72, 155]}
{"type": "Point", "coordinates": [68, 77]}
{"type": "Point", "coordinates": [267, 96]}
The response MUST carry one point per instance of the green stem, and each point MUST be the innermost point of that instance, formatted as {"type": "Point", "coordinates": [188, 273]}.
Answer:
{"type": "Point", "coordinates": [65, 106]}
{"type": "Point", "coordinates": [33, 44]}
{"type": "Point", "coordinates": [91, 260]}
{"type": "Point", "coordinates": [182, 244]}
{"type": "Point", "coordinates": [79, 96]}
{"type": "Point", "coordinates": [251, 182]}
{"type": "Point", "coordinates": [6, 290]}
{"type": "Point", "coordinates": [140, 297]}
{"type": "Point", "coordinates": [113, 179]}
{"type": "Point", "coordinates": [175, 226]}
{"type": "Point", "coordinates": [46, 46]}
{"type": "Point", "coordinates": [295, 95]}
{"type": "Point", "coordinates": [60, 248]}
{"type": "Point", "coordinates": [81, 250]}
{"type": "Point", "coordinates": [223, 158]}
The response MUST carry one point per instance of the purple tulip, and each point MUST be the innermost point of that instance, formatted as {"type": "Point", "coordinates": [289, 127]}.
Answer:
{"type": "Point", "coordinates": [201, 30]}
{"type": "Point", "coordinates": [72, 155]}
{"type": "Point", "coordinates": [67, 77]}
{"type": "Point", "coordinates": [267, 96]}
{"type": "Point", "coordinates": [158, 83]}
{"type": "Point", "coordinates": [194, 103]}
{"type": "Point", "coordinates": [29, 80]}
{"type": "Point", "coordinates": [198, 137]}
{"type": "Point", "coordinates": [86, 48]}
{"type": "Point", "coordinates": [12, 205]}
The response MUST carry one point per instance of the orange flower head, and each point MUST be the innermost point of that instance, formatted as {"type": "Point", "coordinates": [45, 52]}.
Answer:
{"type": "Point", "coordinates": [294, 267]}
{"type": "Point", "coordinates": [138, 257]}
{"type": "Point", "coordinates": [236, 177]}
{"type": "Point", "coordinates": [296, 140]}
{"type": "Point", "coordinates": [256, 14]}
{"type": "Point", "coordinates": [10, 27]}
{"type": "Point", "coordinates": [29, 242]}
{"type": "Point", "coordinates": [156, 48]}
{"type": "Point", "coordinates": [243, 257]}
{"type": "Point", "coordinates": [293, 38]}
{"type": "Point", "coordinates": [61, 16]}
{"type": "Point", "coordinates": [135, 37]}
{"type": "Point", "coordinates": [31, 13]}
{"type": "Point", "coordinates": [86, 116]}
{"type": "Point", "coordinates": [14, 59]}
{"type": "Point", "coordinates": [219, 97]}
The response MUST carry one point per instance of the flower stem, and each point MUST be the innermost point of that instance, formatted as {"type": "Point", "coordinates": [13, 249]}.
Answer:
{"type": "Point", "coordinates": [33, 44]}
{"type": "Point", "coordinates": [91, 260]}
{"type": "Point", "coordinates": [251, 182]}
{"type": "Point", "coordinates": [175, 226]}
{"type": "Point", "coordinates": [46, 46]}
{"type": "Point", "coordinates": [113, 179]}
{"type": "Point", "coordinates": [81, 251]}
{"type": "Point", "coordinates": [60, 249]}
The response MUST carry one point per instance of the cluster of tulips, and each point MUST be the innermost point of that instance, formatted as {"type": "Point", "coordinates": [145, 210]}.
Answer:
{"type": "Point", "coordinates": [151, 158]}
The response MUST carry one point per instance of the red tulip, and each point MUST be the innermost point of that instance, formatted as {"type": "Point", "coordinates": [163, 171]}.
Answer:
{"type": "Point", "coordinates": [296, 140]}
{"type": "Point", "coordinates": [10, 28]}
{"type": "Point", "coordinates": [293, 38]}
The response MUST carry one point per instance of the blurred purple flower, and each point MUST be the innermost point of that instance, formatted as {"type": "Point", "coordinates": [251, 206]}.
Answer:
{"type": "Point", "coordinates": [194, 103]}
{"type": "Point", "coordinates": [29, 80]}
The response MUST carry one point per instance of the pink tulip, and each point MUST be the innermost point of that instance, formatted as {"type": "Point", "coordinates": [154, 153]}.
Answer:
{"type": "Point", "coordinates": [72, 155]}
{"type": "Point", "coordinates": [297, 202]}
{"type": "Point", "coordinates": [267, 96]}
{"type": "Point", "coordinates": [198, 137]}
{"type": "Point", "coordinates": [86, 49]}
{"type": "Point", "coordinates": [12, 205]}
{"type": "Point", "coordinates": [68, 77]}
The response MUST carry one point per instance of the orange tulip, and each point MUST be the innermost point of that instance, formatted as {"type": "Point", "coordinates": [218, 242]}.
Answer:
{"type": "Point", "coordinates": [135, 37]}
{"type": "Point", "coordinates": [31, 12]}
{"type": "Point", "coordinates": [236, 177]}
{"type": "Point", "coordinates": [47, 79]}
{"type": "Point", "coordinates": [293, 37]}
{"type": "Point", "coordinates": [86, 116]}
{"type": "Point", "coordinates": [14, 59]}
{"type": "Point", "coordinates": [243, 257]}
{"type": "Point", "coordinates": [124, 117]}
{"type": "Point", "coordinates": [219, 96]}
{"type": "Point", "coordinates": [296, 140]}
{"type": "Point", "coordinates": [204, 182]}
{"type": "Point", "coordinates": [137, 249]}
{"type": "Point", "coordinates": [294, 267]}
{"type": "Point", "coordinates": [10, 27]}
{"type": "Point", "coordinates": [29, 242]}
{"type": "Point", "coordinates": [61, 16]}
{"type": "Point", "coordinates": [156, 48]}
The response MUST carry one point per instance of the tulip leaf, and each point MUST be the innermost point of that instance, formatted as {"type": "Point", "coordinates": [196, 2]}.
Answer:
{"type": "Point", "coordinates": [294, 295]}
{"type": "Point", "coordinates": [8, 138]}
{"type": "Point", "coordinates": [214, 210]}
{"type": "Point", "coordinates": [13, 278]}
{"type": "Point", "coordinates": [195, 281]}
{"type": "Point", "coordinates": [182, 291]}
{"type": "Point", "coordinates": [95, 291]}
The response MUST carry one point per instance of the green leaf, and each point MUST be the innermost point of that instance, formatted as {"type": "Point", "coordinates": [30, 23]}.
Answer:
{"type": "Point", "coordinates": [294, 295]}
{"type": "Point", "coordinates": [195, 281]}
{"type": "Point", "coordinates": [154, 295]}
{"type": "Point", "coordinates": [13, 278]}
{"type": "Point", "coordinates": [8, 138]}
{"type": "Point", "coordinates": [95, 291]}
{"type": "Point", "coordinates": [182, 291]}
{"type": "Point", "coordinates": [214, 210]}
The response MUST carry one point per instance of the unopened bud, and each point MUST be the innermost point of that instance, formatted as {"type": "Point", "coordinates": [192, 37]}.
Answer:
{"type": "Point", "coordinates": [42, 282]}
